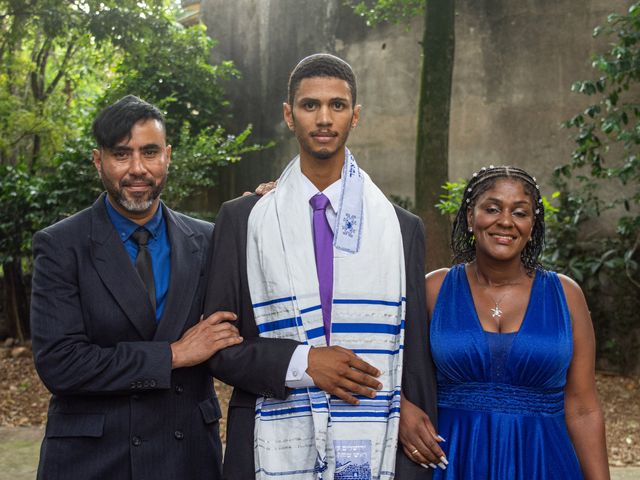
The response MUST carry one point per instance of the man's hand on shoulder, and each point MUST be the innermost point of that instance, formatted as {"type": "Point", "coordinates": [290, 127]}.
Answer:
{"type": "Point", "coordinates": [342, 373]}
{"type": "Point", "coordinates": [204, 339]}
{"type": "Point", "coordinates": [263, 188]}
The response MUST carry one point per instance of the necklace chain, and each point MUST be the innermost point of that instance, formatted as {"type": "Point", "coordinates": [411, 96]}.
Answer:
{"type": "Point", "coordinates": [496, 311]}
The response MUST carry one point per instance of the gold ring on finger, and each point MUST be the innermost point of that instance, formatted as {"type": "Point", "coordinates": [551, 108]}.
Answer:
{"type": "Point", "coordinates": [414, 451]}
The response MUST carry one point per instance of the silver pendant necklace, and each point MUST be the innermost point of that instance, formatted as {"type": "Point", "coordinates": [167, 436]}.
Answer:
{"type": "Point", "coordinates": [496, 312]}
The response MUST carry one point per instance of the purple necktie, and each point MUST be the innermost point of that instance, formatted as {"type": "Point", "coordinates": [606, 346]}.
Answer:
{"type": "Point", "coordinates": [323, 246]}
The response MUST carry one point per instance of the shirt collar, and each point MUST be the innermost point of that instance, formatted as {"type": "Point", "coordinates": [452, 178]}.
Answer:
{"type": "Point", "coordinates": [126, 227]}
{"type": "Point", "coordinates": [332, 192]}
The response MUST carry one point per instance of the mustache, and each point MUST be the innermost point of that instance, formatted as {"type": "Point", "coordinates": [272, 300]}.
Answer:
{"type": "Point", "coordinates": [127, 182]}
{"type": "Point", "coordinates": [323, 133]}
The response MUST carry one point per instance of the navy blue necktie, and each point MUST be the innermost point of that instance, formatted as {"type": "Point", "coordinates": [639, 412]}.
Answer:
{"type": "Point", "coordinates": [143, 263]}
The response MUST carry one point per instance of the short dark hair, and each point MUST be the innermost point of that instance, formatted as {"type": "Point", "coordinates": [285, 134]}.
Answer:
{"type": "Point", "coordinates": [463, 241]}
{"type": "Point", "coordinates": [115, 122]}
{"type": "Point", "coordinates": [321, 65]}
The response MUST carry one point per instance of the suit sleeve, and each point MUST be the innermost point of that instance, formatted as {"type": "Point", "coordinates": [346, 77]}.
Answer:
{"type": "Point", "coordinates": [418, 376]}
{"type": "Point", "coordinates": [257, 365]}
{"type": "Point", "coordinates": [66, 358]}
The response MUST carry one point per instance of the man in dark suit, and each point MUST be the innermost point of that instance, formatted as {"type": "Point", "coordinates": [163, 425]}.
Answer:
{"type": "Point", "coordinates": [320, 111]}
{"type": "Point", "coordinates": [116, 321]}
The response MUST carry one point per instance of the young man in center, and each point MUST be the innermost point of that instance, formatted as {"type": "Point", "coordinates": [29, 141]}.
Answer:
{"type": "Point", "coordinates": [327, 279]}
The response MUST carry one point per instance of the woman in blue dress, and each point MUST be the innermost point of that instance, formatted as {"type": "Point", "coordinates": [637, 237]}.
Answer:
{"type": "Point", "coordinates": [514, 349]}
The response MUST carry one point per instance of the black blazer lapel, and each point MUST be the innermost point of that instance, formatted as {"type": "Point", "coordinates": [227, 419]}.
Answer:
{"type": "Point", "coordinates": [118, 273]}
{"type": "Point", "coordinates": [187, 250]}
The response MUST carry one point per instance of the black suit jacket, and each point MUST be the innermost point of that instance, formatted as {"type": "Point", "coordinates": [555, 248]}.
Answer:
{"type": "Point", "coordinates": [258, 366]}
{"type": "Point", "coordinates": [117, 409]}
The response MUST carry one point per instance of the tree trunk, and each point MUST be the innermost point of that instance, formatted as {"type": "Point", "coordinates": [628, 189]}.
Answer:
{"type": "Point", "coordinates": [432, 149]}
{"type": "Point", "coordinates": [16, 301]}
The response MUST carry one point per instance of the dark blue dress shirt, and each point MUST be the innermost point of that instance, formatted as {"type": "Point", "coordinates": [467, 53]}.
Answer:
{"type": "Point", "coordinates": [159, 248]}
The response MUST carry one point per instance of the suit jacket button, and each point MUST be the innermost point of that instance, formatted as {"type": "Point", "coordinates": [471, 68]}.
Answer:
{"type": "Point", "coordinates": [136, 441]}
{"type": "Point", "coordinates": [179, 389]}
{"type": "Point", "coordinates": [178, 434]}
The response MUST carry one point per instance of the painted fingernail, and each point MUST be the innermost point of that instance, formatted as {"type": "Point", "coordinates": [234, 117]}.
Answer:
{"type": "Point", "coordinates": [442, 466]}
{"type": "Point", "coordinates": [433, 465]}
{"type": "Point", "coordinates": [444, 460]}
{"type": "Point", "coordinates": [423, 465]}
{"type": "Point", "coordinates": [441, 438]}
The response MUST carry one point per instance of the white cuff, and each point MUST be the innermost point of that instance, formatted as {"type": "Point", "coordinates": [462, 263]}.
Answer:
{"type": "Point", "coordinates": [297, 372]}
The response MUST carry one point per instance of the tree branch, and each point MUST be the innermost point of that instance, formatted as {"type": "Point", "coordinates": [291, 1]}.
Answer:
{"type": "Point", "coordinates": [37, 75]}
{"type": "Point", "coordinates": [62, 70]}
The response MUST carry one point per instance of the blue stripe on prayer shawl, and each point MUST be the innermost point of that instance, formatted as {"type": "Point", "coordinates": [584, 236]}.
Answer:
{"type": "Point", "coordinates": [383, 407]}
{"type": "Point", "coordinates": [310, 309]}
{"type": "Point", "coordinates": [298, 391]}
{"type": "Point", "coordinates": [271, 302]}
{"type": "Point", "coordinates": [365, 414]}
{"type": "Point", "coordinates": [374, 351]}
{"type": "Point", "coordinates": [284, 411]}
{"type": "Point", "coordinates": [365, 328]}
{"type": "Point", "coordinates": [315, 333]}
{"type": "Point", "coordinates": [356, 301]}
{"type": "Point", "coordinates": [278, 325]}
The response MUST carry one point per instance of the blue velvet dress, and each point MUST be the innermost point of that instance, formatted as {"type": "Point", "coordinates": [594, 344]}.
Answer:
{"type": "Point", "coordinates": [500, 396]}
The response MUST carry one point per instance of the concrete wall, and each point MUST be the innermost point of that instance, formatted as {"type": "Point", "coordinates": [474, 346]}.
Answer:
{"type": "Point", "coordinates": [266, 38]}
{"type": "Point", "coordinates": [514, 66]}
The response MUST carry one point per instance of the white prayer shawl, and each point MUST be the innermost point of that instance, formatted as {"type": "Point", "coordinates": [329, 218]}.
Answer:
{"type": "Point", "coordinates": [311, 435]}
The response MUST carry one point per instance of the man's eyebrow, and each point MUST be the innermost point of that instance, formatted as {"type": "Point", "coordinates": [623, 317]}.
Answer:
{"type": "Point", "coordinates": [313, 99]}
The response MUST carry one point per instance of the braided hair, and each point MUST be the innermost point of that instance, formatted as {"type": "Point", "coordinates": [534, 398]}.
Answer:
{"type": "Point", "coordinates": [463, 241]}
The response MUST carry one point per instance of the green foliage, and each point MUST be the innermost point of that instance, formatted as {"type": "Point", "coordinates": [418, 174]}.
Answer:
{"type": "Point", "coordinates": [196, 164]}
{"type": "Point", "coordinates": [20, 197]}
{"type": "Point", "coordinates": [55, 58]}
{"type": "Point", "coordinates": [451, 199]}
{"type": "Point", "coordinates": [394, 11]}
{"type": "Point", "coordinates": [61, 62]}
{"type": "Point", "coordinates": [70, 183]}
{"type": "Point", "coordinates": [606, 153]}
{"type": "Point", "coordinates": [171, 71]}
{"type": "Point", "coordinates": [605, 158]}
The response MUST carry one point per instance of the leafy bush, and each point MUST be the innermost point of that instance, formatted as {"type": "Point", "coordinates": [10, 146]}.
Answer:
{"type": "Point", "coordinates": [62, 62]}
{"type": "Point", "coordinates": [606, 159]}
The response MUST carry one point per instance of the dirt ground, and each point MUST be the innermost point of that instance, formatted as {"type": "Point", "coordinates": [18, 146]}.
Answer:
{"type": "Point", "coordinates": [23, 401]}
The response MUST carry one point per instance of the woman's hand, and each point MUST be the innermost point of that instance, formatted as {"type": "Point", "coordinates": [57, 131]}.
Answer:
{"type": "Point", "coordinates": [419, 438]}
